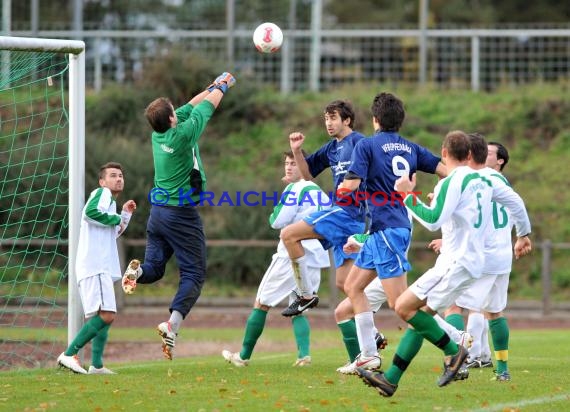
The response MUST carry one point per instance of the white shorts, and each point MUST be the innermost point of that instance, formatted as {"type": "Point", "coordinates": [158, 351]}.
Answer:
{"type": "Point", "coordinates": [442, 285]}
{"type": "Point", "coordinates": [375, 294]}
{"type": "Point", "coordinates": [488, 293]}
{"type": "Point", "coordinates": [97, 293]}
{"type": "Point", "coordinates": [278, 282]}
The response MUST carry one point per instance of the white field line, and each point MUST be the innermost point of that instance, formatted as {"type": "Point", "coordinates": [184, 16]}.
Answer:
{"type": "Point", "coordinates": [525, 402]}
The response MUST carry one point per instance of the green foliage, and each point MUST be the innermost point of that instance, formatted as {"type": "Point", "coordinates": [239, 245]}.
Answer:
{"type": "Point", "coordinates": [243, 144]}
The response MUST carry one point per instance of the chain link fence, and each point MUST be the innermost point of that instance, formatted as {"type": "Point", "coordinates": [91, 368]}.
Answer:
{"type": "Point", "coordinates": [476, 59]}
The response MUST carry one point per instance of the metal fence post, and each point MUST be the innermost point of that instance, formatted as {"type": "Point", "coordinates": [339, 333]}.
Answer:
{"type": "Point", "coordinates": [475, 56]}
{"type": "Point", "coordinates": [424, 11]}
{"type": "Point", "coordinates": [315, 67]}
{"type": "Point", "coordinates": [230, 27]}
{"type": "Point", "coordinates": [546, 275]}
{"type": "Point", "coordinates": [97, 66]}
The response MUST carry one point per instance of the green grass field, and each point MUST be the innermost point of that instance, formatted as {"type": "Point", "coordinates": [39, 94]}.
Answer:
{"type": "Point", "coordinates": [539, 366]}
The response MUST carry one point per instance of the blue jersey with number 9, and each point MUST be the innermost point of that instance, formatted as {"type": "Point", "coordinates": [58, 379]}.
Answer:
{"type": "Point", "coordinates": [379, 161]}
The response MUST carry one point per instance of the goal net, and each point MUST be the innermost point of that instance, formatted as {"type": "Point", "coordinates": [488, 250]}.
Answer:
{"type": "Point", "coordinates": [41, 193]}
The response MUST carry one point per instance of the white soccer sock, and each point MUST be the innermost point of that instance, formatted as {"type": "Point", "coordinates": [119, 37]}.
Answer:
{"type": "Point", "coordinates": [475, 325]}
{"type": "Point", "coordinates": [365, 331]}
{"type": "Point", "coordinates": [485, 348]}
{"type": "Point", "coordinates": [175, 320]}
{"type": "Point", "coordinates": [451, 331]}
{"type": "Point", "coordinates": [300, 271]}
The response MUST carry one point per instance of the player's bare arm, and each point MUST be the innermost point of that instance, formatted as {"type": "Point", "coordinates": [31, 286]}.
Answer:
{"type": "Point", "coordinates": [296, 140]}
{"type": "Point", "coordinates": [349, 185]}
{"type": "Point", "coordinates": [199, 98]}
{"type": "Point", "coordinates": [441, 170]}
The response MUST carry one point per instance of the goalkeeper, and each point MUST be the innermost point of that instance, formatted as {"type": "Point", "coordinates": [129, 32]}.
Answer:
{"type": "Point", "coordinates": [174, 225]}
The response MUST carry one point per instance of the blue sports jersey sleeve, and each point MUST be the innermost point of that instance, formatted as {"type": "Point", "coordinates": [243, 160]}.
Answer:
{"type": "Point", "coordinates": [319, 160]}
{"type": "Point", "coordinates": [427, 161]}
{"type": "Point", "coordinates": [360, 159]}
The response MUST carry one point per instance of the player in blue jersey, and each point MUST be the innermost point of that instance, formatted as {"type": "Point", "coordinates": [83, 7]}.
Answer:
{"type": "Point", "coordinates": [333, 226]}
{"type": "Point", "coordinates": [378, 162]}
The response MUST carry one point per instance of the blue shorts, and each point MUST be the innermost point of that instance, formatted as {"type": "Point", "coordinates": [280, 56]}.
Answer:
{"type": "Point", "coordinates": [335, 226]}
{"type": "Point", "coordinates": [386, 252]}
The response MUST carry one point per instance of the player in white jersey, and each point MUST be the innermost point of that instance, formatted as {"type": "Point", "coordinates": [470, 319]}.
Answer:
{"type": "Point", "coordinates": [299, 199]}
{"type": "Point", "coordinates": [489, 293]}
{"type": "Point", "coordinates": [462, 201]}
{"type": "Point", "coordinates": [97, 267]}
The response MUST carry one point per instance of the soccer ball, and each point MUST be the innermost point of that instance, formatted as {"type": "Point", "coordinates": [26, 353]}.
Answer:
{"type": "Point", "coordinates": [267, 38]}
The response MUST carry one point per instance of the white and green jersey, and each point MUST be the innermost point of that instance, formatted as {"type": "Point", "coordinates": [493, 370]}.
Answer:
{"type": "Point", "coordinates": [462, 201]}
{"type": "Point", "coordinates": [508, 209]}
{"type": "Point", "coordinates": [297, 201]}
{"type": "Point", "coordinates": [97, 249]}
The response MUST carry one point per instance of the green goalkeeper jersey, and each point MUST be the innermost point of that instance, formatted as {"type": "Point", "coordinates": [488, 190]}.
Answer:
{"type": "Point", "coordinates": [178, 169]}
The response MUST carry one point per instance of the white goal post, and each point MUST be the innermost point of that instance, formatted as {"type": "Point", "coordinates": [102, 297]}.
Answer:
{"type": "Point", "coordinates": [76, 51]}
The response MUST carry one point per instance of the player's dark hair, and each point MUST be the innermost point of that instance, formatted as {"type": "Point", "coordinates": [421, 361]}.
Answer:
{"type": "Point", "coordinates": [502, 153]}
{"type": "Point", "coordinates": [479, 148]}
{"type": "Point", "coordinates": [109, 165]}
{"type": "Point", "coordinates": [388, 111]}
{"type": "Point", "coordinates": [289, 154]}
{"type": "Point", "coordinates": [344, 110]}
{"type": "Point", "coordinates": [457, 145]}
{"type": "Point", "coordinates": [158, 114]}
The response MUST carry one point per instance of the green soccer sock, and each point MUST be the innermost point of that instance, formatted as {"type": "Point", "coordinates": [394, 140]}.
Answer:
{"type": "Point", "coordinates": [253, 329]}
{"type": "Point", "coordinates": [350, 338]}
{"type": "Point", "coordinates": [98, 347]}
{"type": "Point", "coordinates": [302, 331]}
{"type": "Point", "coordinates": [456, 320]}
{"type": "Point", "coordinates": [427, 326]}
{"type": "Point", "coordinates": [407, 349]}
{"type": "Point", "coordinates": [499, 329]}
{"type": "Point", "coordinates": [87, 332]}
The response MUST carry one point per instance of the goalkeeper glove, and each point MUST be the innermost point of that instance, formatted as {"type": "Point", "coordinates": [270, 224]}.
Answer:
{"type": "Point", "coordinates": [223, 82]}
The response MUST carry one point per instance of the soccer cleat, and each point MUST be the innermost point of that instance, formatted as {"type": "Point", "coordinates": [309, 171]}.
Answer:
{"type": "Point", "coordinates": [342, 368]}
{"type": "Point", "coordinates": [304, 361]}
{"type": "Point", "coordinates": [462, 374]}
{"type": "Point", "coordinates": [377, 381]}
{"type": "Point", "coordinates": [503, 377]}
{"type": "Point", "coordinates": [236, 360]}
{"type": "Point", "coordinates": [71, 363]}
{"type": "Point", "coordinates": [473, 363]}
{"type": "Point", "coordinates": [100, 371]}
{"type": "Point", "coordinates": [466, 340]}
{"type": "Point", "coordinates": [381, 341]}
{"type": "Point", "coordinates": [478, 363]}
{"type": "Point", "coordinates": [451, 366]}
{"type": "Point", "coordinates": [130, 277]}
{"type": "Point", "coordinates": [300, 305]}
{"type": "Point", "coordinates": [364, 362]}
{"type": "Point", "coordinates": [168, 339]}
